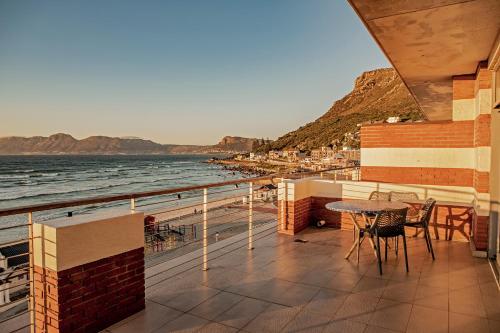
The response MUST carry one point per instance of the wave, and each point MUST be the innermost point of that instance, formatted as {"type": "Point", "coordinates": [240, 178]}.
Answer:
{"type": "Point", "coordinates": [23, 171]}
{"type": "Point", "coordinates": [14, 176]}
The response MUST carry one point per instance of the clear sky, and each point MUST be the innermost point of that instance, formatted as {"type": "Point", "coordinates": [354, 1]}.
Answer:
{"type": "Point", "coordinates": [176, 71]}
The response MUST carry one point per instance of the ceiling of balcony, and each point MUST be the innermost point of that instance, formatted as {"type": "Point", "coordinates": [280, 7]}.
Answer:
{"type": "Point", "coordinates": [429, 41]}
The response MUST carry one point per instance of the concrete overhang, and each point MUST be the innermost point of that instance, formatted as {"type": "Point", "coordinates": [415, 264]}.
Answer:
{"type": "Point", "coordinates": [430, 41]}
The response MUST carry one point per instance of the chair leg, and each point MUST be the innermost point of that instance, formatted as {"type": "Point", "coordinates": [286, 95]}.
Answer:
{"type": "Point", "coordinates": [406, 255]}
{"type": "Point", "coordinates": [386, 249]}
{"type": "Point", "coordinates": [359, 245]}
{"type": "Point", "coordinates": [379, 256]}
{"type": "Point", "coordinates": [396, 241]}
{"type": "Point", "coordinates": [430, 243]}
{"type": "Point", "coordinates": [426, 236]}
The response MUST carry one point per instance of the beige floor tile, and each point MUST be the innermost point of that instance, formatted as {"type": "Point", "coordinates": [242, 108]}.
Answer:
{"type": "Point", "coordinates": [216, 305]}
{"type": "Point", "coordinates": [467, 301]}
{"type": "Point", "coordinates": [343, 282]}
{"type": "Point", "coordinates": [494, 326]}
{"type": "Point", "coordinates": [217, 328]}
{"type": "Point", "coordinates": [184, 324]}
{"type": "Point", "coordinates": [427, 320]}
{"type": "Point", "coordinates": [357, 307]}
{"type": "Point", "coordinates": [151, 318]}
{"type": "Point", "coordinates": [344, 326]}
{"type": "Point", "coordinates": [491, 304]}
{"type": "Point", "coordinates": [460, 323]}
{"type": "Point", "coordinates": [188, 299]}
{"type": "Point", "coordinates": [371, 286]}
{"type": "Point", "coordinates": [307, 321]}
{"type": "Point", "coordinates": [273, 319]}
{"type": "Point", "coordinates": [378, 329]}
{"type": "Point", "coordinates": [242, 313]}
{"type": "Point", "coordinates": [436, 298]}
{"type": "Point", "coordinates": [391, 315]}
{"type": "Point", "coordinates": [287, 293]}
{"type": "Point", "coordinates": [326, 302]}
{"type": "Point", "coordinates": [401, 291]}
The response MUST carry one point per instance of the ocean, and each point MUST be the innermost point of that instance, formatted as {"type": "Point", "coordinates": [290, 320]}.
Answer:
{"type": "Point", "coordinates": [29, 180]}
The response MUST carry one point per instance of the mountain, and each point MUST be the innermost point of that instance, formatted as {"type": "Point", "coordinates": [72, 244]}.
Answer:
{"type": "Point", "coordinates": [236, 143]}
{"type": "Point", "coordinates": [377, 95]}
{"type": "Point", "coordinates": [66, 144]}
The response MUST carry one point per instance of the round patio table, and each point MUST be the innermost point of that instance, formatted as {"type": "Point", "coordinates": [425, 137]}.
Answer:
{"type": "Point", "coordinates": [363, 208]}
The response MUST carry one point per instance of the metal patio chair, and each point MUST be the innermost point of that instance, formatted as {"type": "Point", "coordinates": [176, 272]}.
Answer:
{"type": "Point", "coordinates": [378, 195]}
{"type": "Point", "coordinates": [424, 217]}
{"type": "Point", "coordinates": [388, 224]}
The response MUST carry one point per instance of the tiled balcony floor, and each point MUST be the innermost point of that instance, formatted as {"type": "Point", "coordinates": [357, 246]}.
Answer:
{"type": "Point", "coordinates": [286, 286]}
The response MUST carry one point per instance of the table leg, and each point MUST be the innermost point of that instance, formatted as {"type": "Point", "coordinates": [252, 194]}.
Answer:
{"type": "Point", "coordinates": [357, 235]}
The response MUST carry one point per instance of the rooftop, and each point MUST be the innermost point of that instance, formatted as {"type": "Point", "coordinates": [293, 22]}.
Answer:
{"type": "Point", "coordinates": [288, 286]}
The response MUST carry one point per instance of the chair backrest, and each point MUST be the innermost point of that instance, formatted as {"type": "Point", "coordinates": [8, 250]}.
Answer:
{"type": "Point", "coordinates": [390, 222]}
{"type": "Point", "coordinates": [377, 195]}
{"type": "Point", "coordinates": [403, 196]}
{"type": "Point", "coordinates": [426, 211]}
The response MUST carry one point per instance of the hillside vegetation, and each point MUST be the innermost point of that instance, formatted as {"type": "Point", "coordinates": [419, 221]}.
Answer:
{"type": "Point", "coordinates": [377, 95]}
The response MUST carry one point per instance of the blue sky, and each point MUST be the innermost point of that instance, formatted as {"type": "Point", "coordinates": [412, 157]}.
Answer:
{"type": "Point", "coordinates": [176, 71]}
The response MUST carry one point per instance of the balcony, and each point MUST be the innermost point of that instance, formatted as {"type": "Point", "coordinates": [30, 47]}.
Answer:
{"type": "Point", "coordinates": [260, 267]}
{"type": "Point", "coordinates": [284, 285]}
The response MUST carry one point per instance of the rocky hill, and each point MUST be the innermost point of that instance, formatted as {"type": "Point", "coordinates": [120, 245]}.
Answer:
{"type": "Point", "coordinates": [377, 95]}
{"type": "Point", "coordinates": [236, 143]}
{"type": "Point", "coordinates": [66, 144]}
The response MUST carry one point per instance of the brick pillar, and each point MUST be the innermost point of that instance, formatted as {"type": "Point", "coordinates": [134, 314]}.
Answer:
{"type": "Point", "coordinates": [472, 96]}
{"type": "Point", "coordinates": [301, 202]}
{"type": "Point", "coordinates": [89, 272]}
{"type": "Point", "coordinates": [294, 206]}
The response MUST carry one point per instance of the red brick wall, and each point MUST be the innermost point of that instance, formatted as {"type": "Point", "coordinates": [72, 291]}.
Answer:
{"type": "Point", "coordinates": [482, 130]}
{"type": "Point", "coordinates": [426, 176]}
{"type": "Point", "coordinates": [482, 181]}
{"type": "Point", "coordinates": [332, 219]}
{"type": "Point", "coordinates": [297, 216]}
{"type": "Point", "coordinates": [463, 86]}
{"type": "Point", "coordinates": [448, 222]}
{"type": "Point", "coordinates": [480, 230]}
{"type": "Point", "coordinates": [90, 297]}
{"type": "Point", "coordinates": [445, 134]}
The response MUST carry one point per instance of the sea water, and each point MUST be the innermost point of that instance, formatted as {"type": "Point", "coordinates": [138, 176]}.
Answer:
{"type": "Point", "coordinates": [31, 180]}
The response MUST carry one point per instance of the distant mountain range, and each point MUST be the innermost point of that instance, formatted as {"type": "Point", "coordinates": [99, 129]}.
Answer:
{"type": "Point", "coordinates": [377, 95]}
{"type": "Point", "coordinates": [65, 144]}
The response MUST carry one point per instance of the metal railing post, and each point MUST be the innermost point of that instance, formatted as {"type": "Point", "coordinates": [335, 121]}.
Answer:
{"type": "Point", "coordinates": [32, 274]}
{"type": "Point", "coordinates": [205, 231]}
{"type": "Point", "coordinates": [250, 216]}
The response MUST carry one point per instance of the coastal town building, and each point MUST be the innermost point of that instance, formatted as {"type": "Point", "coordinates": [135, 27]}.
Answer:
{"type": "Point", "coordinates": [291, 154]}
{"type": "Point", "coordinates": [275, 154]}
{"type": "Point", "coordinates": [266, 192]}
{"type": "Point", "coordinates": [322, 153]}
{"type": "Point", "coordinates": [257, 157]}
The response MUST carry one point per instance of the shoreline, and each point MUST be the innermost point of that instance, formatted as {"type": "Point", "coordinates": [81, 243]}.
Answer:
{"type": "Point", "coordinates": [254, 167]}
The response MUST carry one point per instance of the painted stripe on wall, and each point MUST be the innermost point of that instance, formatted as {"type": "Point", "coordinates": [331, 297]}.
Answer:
{"type": "Point", "coordinates": [419, 157]}
{"type": "Point", "coordinates": [414, 175]}
{"type": "Point", "coordinates": [471, 108]}
{"type": "Point", "coordinates": [464, 109]}
{"type": "Point", "coordinates": [478, 158]}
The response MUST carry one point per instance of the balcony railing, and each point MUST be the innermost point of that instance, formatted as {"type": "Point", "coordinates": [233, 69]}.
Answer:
{"type": "Point", "coordinates": [193, 219]}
